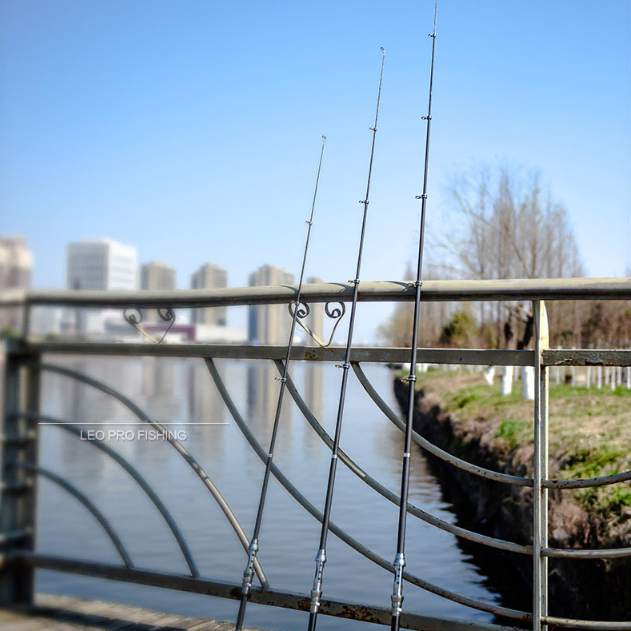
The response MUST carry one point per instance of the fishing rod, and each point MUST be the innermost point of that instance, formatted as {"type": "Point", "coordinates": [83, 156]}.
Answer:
{"type": "Point", "coordinates": [248, 574]}
{"type": "Point", "coordinates": [320, 559]}
{"type": "Point", "coordinates": [399, 561]}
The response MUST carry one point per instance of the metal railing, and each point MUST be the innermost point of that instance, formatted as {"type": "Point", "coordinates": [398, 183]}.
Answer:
{"type": "Point", "coordinates": [22, 414]}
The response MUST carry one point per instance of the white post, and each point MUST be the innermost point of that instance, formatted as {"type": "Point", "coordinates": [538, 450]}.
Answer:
{"type": "Point", "coordinates": [489, 375]}
{"type": "Point", "coordinates": [588, 383]}
{"type": "Point", "coordinates": [528, 382]}
{"type": "Point", "coordinates": [507, 381]}
{"type": "Point", "coordinates": [599, 381]}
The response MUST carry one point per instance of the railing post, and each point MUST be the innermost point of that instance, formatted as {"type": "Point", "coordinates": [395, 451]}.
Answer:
{"type": "Point", "coordinates": [18, 499]}
{"type": "Point", "coordinates": [540, 508]}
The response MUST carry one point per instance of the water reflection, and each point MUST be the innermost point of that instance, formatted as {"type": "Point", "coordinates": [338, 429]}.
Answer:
{"type": "Point", "coordinates": [157, 377]}
{"type": "Point", "coordinates": [182, 392]}
{"type": "Point", "coordinates": [263, 390]}
{"type": "Point", "coordinates": [204, 401]}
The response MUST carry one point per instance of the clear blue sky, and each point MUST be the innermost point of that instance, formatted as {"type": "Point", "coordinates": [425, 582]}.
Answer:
{"type": "Point", "coordinates": [191, 129]}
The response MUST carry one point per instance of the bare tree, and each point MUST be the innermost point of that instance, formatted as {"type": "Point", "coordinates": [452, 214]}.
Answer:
{"type": "Point", "coordinates": [508, 226]}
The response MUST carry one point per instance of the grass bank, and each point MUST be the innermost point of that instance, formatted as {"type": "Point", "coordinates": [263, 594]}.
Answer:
{"type": "Point", "coordinates": [589, 436]}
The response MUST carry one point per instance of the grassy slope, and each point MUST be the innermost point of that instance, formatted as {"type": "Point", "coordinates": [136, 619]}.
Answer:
{"type": "Point", "coordinates": [589, 430]}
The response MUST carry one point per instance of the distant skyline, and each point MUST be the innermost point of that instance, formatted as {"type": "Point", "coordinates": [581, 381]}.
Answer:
{"type": "Point", "coordinates": [192, 129]}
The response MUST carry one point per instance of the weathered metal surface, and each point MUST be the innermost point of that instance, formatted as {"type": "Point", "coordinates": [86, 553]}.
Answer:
{"type": "Point", "coordinates": [584, 483]}
{"type": "Point", "coordinates": [382, 291]}
{"type": "Point", "coordinates": [367, 354]}
{"type": "Point", "coordinates": [586, 357]}
{"type": "Point", "coordinates": [16, 488]}
{"type": "Point", "coordinates": [14, 536]}
{"type": "Point", "coordinates": [540, 493]}
{"type": "Point", "coordinates": [18, 500]}
{"type": "Point", "coordinates": [286, 600]}
{"type": "Point", "coordinates": [19, 438]}
{"type": "Point", "coordinates": [570, 623]}
{"type": "Point", "coordinates": [580, 553]}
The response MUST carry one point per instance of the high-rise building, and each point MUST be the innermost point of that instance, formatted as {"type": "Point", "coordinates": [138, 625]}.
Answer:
{"type": "Point", "coordinates": [16, 269]}
{"type": "Point", "coordinates": [157, 276]}
{"type": "Point", "coordinates": [209, 276]}
{"type": "Point", "coordinates": [269, 324]}
{"type": "Point", "coordinates": [101, 264]}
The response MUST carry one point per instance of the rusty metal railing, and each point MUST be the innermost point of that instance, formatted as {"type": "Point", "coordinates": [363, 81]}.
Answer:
{"type": "Point", "coordinates": [22, 414]}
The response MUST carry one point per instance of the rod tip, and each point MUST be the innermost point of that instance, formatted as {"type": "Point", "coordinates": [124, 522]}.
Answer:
{"type": "Point", "coordinates": [383, 50]}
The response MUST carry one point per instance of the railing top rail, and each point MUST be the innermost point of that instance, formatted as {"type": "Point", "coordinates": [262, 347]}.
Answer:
{"type": "Point", "coordinates": [381, 291]}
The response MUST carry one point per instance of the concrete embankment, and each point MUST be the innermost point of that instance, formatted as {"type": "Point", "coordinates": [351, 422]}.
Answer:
{"type": "Point", "coordinates": [63, 613]}
{"type": "Point", "coordinates": [448, 414]}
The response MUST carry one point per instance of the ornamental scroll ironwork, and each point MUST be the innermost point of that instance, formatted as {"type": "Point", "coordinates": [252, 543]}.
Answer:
{"type": "Point", "coordinates": [302, 310]}
{"type": "Point", "coordinates": [135, 318]}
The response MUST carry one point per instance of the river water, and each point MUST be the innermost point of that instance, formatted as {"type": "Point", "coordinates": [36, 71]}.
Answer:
{"type": "Point", "coordinates": [182, 391]}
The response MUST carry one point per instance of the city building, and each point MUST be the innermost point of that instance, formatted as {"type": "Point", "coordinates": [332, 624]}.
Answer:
{"type": "Point", "coordinates": [269, 324]}
{"type": "Point", "coordinates": [157, 276]}
{"type": "Point", "coordinates": [209, 276]}
{"type": "Point", "coordinates": [101, 264]}
{"type": "Point", "coordinates": [16, 270]}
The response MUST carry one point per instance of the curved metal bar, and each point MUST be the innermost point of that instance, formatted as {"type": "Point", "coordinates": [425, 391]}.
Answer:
{"type": "Point", "coordinates": [335, 313]}
{"type": "Point", "coordinates": [133, 472]}
{"type": "Point", "coordinates": [339, 532]}
{"type": "Point", "coordinates": [467, 534]}
{"type": "Point", "coordinates": [201, 474]}
{"type": "Point", "coordinates": [597, 625]}
{"type": "Point", "coordinates": [389, 495]}
{"type": "Point", "coordinates": [623, 476]}
{"type": "Point", "coordinates": [166, 314]}
{"type": "Point", "coordinates": [98, 515]}
{"type": "Point", "coordinates": [583, 483]}
{"type": "Point", "coordinates": [425, 444]}
{"type": "Point", "coordinates": [13, 536]}
{"type": "Point", "coordinates": [570, 553]}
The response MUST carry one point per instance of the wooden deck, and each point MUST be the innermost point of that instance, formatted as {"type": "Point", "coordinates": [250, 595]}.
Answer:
{"type": "Point", "coordinates": [59, 613]}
